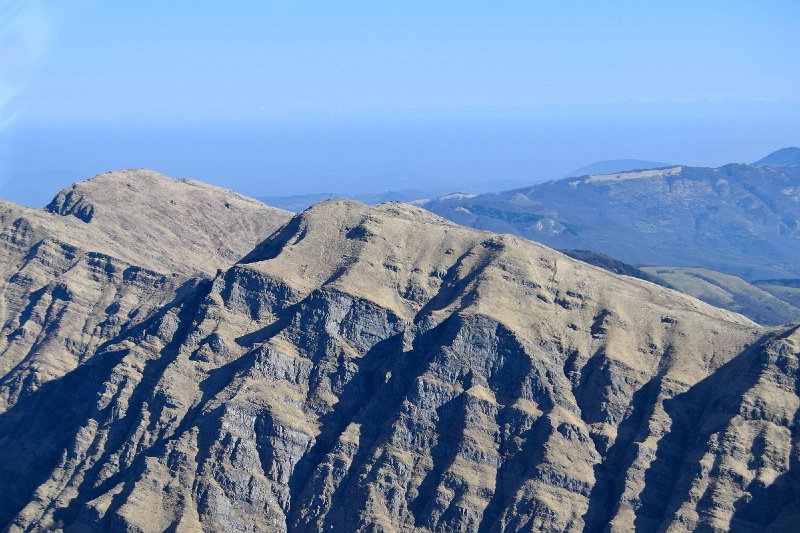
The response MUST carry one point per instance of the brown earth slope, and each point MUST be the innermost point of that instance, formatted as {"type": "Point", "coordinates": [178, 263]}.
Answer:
{"type": "Point", "coordinates": [381, 369]}
{"type": "Point", "coordinates": [106, 253]}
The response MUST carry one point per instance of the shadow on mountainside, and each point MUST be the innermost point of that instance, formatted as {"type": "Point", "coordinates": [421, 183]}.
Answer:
{"type": "Point", "coordinates": [775, 506]}
{"type": "Point", "coordinates": [38, 431]}
{"type": "Point", "coordinates": [706, 408]}
{"type": "Point", "coordinates": [372, 400]}
{"type": "Point", "coordinates": [611, 471]}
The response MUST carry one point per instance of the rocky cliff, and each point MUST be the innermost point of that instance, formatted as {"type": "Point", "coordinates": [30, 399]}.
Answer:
{"type": "Point", "coordinates": [382, 369]}
{"type": "Point", "coordinates": [105, 254]}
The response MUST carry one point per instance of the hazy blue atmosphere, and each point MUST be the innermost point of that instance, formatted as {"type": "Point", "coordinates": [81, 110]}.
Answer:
{"type": "Point", "coordinates": [290, 97]}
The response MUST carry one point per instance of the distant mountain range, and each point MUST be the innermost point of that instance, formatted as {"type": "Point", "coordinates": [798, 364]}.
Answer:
{"type": "Point", "coordinates": [299, 202]}
{"type": "Point", "coordinates": [781, 158]}
{"type": "Point", "coordinates": [739, 219]}
{"type": "Point", "coordinates": [616, 165]}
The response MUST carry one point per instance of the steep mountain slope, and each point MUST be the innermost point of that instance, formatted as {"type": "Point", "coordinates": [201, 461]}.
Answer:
{"type": "Point", "coordinates": [106, 253]}
{"type": "Point", "coordinates": [382, 369]}
{"type": "Point", "coordinates": [739, 219]}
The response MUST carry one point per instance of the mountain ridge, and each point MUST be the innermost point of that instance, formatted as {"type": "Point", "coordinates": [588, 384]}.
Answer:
{"type": "Point", "coordinates": [611, 166]}
{"type": "Point", "coordinates": [781, 158]}
{"type": "Point", "coordinates": [740, 219]}
{"type": "Point", "coordinates": [382, 368]}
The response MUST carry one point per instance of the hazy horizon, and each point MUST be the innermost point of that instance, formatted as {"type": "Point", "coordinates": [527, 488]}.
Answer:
{"type": "Point", "coordinates": [286, 98]}
{"type": "Point", "coordinates": [359, 157]}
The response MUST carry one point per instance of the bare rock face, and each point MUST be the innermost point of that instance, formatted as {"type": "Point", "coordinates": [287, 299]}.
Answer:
{"type": "Point", "coordinates": [381, 369]}
{"type": "Point", "coordinates": [104, 255]}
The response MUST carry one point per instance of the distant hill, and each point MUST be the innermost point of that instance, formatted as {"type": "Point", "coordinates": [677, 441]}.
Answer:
{"type": "Point", "coordinates": [781, 158]}
{"type": "Point", "coordinates": [730, 292]}
{"type": "Point", "coordinates": [300, 202]}
{"type": "Point", "coordinates": [615, 165]}
{"type": "Point", "coordinates": [741, 219]}
{"type": "Point", "coordinates": [768, 302]}
{"type": "Point", "coordinates": [787, 290]}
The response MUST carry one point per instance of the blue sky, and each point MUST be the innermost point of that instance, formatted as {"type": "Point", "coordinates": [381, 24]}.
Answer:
{"type": "Point", "coordinates": [110, 64]}
{"type": "Point", "coordinates": [206, 60]}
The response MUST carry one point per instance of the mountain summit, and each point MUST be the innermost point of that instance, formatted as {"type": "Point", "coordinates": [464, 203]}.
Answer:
{"type": "Point", "coordinates": [171, 225]}
{"type": "Point", "coordinates": [383, 369]}
{"type": "Point", "coordinates": [781, 158]}
{"type": "Point", "coordinates": [103, 256]}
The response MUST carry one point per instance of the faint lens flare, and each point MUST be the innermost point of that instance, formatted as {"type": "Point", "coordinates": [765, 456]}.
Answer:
{"type": "Point", "coordinates": [25, 35]}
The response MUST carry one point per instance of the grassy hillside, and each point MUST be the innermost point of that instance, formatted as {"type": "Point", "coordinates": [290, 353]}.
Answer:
{"type": "Point", "coordinates": [732, 292]}
{"type": "Point", "coordinates": [787, 290]}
